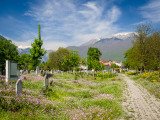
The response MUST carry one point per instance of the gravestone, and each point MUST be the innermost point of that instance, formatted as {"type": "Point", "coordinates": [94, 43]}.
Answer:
{"type": "Point", "coordinates": [37, 70]}
{"type": "Point", "coordinates": [46, 81]}
{"type": "Point", "coordinates": [51, 71]}
{"type": "Point", "coordinates": [32, 71]}
{"type": "Point", "coordinates": [11, 71]}
{"type": "Point", "coordinates": [19, 86]}
{"type": "Point", "coordinates": [120, 70]}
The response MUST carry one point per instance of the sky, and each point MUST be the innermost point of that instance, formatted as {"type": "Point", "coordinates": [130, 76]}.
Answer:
{"type": "Point", "coordinates": [73, 22]}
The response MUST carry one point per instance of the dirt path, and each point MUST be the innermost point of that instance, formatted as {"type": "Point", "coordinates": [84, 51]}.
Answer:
{"type": "Point", "coordinates": [139, 103]}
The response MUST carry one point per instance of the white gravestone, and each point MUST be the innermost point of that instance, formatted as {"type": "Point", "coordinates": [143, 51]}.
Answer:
{"type": "Point", "coordinates": [19, 86]}
{"type": "Point", "coordinates": [11, 71]}
{"type": "Point", "coordinates": [32, 71]}
{"type": "Point", "coordinates": [37, 70]}
{"type": "Point", "coordinates": [46, 81]}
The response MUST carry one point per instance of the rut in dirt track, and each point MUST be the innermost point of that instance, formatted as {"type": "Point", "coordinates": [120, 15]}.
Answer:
{"type": "Point", "coordinates": [140, 104]}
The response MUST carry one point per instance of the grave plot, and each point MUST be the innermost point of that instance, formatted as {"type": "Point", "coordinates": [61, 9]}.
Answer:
{"type": "Point", "coordinates": [65, 98]}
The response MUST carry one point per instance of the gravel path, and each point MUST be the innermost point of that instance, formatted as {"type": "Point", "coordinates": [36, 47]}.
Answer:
{"type": "Point", "coordinates": [139, 103]}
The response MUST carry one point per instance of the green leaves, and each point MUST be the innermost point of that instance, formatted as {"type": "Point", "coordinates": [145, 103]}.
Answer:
{"type": "Point", "coordinates": [7, 51]}
{"type": "Point", "coordinates": [93, 56]}
{"type": "Point", "coordinates": [145, 53]}
{"type": "Point", "coordinates": [36, 51]}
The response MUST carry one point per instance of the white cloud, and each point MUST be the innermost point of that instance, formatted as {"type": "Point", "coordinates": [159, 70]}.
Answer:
{"type": "Point", "coordinates": [54, 46]}
{"type": "Point", "coordinates": [151, 11]}
{"type": "Point", "coordinates": [65, 22]}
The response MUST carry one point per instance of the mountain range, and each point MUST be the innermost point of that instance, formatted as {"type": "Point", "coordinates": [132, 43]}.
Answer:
{"type": "Point", "coordinates": [112, 47]}
{"type": "Point", "coordinates": [26, 50]}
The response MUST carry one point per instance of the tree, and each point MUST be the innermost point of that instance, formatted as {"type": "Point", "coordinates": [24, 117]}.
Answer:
{"type": "Point", "coordinates": [139, 44]}
{"type": "Point", "coordinates": [113, 65]}
{"type": "Point", "coordinates": [57, 58]}
{"type": "Point", "coordinates": [7, 51]}
{"type": "Point", "coordinates": [24, 61]}
{"type": "Point", "coordinates": [93, 56]}
{"type": "Point", "coordinates": [145, 53]}
{"type": "Point", "coordinates": [84, 61]}
{"type": "Point", "coordinates": [36, 51]}
{"type": "Point", "coordinates": [74, 59]}
{"type": "Point", "coordinates": [63, 59]}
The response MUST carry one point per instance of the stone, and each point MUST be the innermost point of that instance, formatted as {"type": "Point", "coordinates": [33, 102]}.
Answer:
{"type": "Point", "coordinates": [37, 70]}
{"type": "Point", "coordinates": [32, 72]}
{"type": "Point", "coordinates": [46, 81]}
{"type": "Point", "coordinates": [11, 71]}
{"type": "Point", "coordinates": [51, 72]}
{"type": "Point", "coordinates": [19, 86]}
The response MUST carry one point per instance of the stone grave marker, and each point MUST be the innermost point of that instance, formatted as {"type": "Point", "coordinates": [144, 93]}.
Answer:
{"type": "Point", "coordinates": [46, 81]}
{"type": "Point", "coordinates": [37, 70]}
{"type": "Point", "coordinates": [19, 86]}
{"type": "Point", "coordinates": [11, 71]}
{"type": "Point", "coordinates": [120, 70]}
{"type": "Point", "coordinates": [32, 71]}
{"type": "Point", "coordinates": [51, 71]}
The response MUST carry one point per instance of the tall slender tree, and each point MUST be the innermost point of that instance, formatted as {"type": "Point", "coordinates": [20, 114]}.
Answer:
{"type": "Point", "coordinates": [39, 32]}
{"type": "Point", "coordinates": [36, 51]}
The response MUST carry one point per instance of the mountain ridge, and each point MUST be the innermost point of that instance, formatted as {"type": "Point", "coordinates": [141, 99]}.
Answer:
{"type": "Point", "coordinates": [112, 47]}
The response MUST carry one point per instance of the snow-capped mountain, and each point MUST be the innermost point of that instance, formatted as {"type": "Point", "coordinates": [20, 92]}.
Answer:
{"type": "Point", "coordinates": [112, 47]}
{"type": "Point", "coordinates": [91, 42]}
{"type": "Point", "coordinates": [25, 49]}
{"type": "Point", "coordinates": [123, 36]}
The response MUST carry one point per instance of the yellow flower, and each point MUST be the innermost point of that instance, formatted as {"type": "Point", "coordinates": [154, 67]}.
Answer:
{"type": "Point", "coordinates": [23, 91]}
{"type": "Point", "coordinates": [154, 80]}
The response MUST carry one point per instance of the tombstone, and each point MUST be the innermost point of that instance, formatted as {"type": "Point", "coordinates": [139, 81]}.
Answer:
{"type": "Point", "coordinates": [37, 70]}
{"type": "Point", "coordinates": [120, 70]}
{"type": "Point", "coordinates": [32, 71]}
{"type": "Point", "coordinates": [62, 73]}
{"type": "Point", "coordinates": [46, 81]}
{"type": "Point", "coordinates": [51, 72]}
{"type": "Point", "coordinates": [19, 86]}
{"type": "Point", "coordinates": [21, 72]}
{"type": "Point", "coordinates": [11, 71]}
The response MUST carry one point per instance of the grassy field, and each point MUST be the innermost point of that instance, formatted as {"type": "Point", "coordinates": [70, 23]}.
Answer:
{"type": "Point", "coordinates": [68, 97]}
{"type": "Point", "coordinates": [149, 80]}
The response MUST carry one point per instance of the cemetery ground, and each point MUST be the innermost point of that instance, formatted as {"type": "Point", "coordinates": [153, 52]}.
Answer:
{"type": "Point", "coordinates": [67, 97]}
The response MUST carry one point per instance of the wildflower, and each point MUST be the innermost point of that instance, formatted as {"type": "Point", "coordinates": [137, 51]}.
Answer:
{"type": "Point", "coordinates": [24, 91]}
{"type": "Point", "coordinates": [154, 80]}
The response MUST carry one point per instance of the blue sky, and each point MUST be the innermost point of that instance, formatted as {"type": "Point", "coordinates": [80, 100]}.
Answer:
{"type": "Point", "coordinates": [73, 22]}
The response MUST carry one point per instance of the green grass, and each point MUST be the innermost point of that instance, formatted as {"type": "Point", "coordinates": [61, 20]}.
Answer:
{"type": "Point", "coordinates": [85, 98]}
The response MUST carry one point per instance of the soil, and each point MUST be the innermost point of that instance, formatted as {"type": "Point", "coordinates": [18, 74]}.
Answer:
{"type": "Point", "coordinates": [139, 103]}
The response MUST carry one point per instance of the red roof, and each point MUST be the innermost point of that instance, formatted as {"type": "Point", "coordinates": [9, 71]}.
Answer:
{"type": "Point", "coordinates": [105, 63]}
